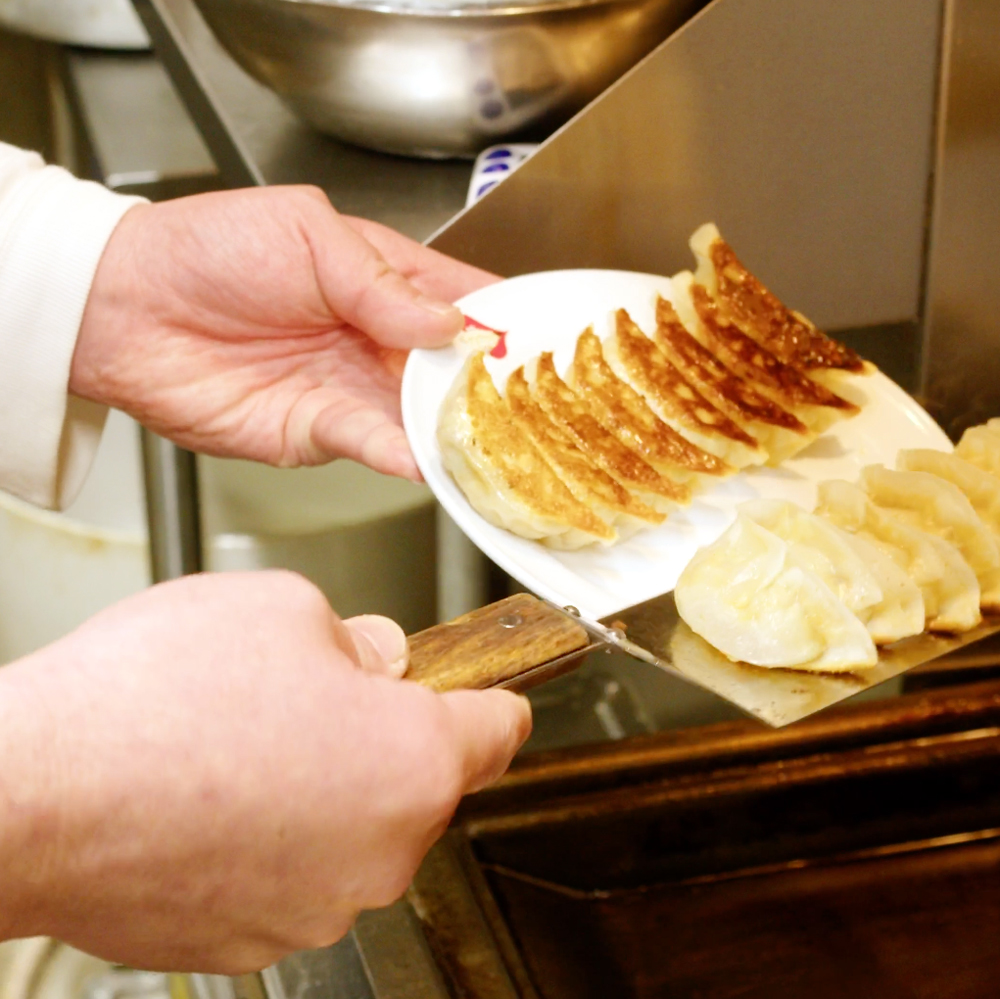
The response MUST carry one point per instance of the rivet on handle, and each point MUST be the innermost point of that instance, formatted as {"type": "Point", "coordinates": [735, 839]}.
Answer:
{"type": "Point", "coordinates": [510, 620]}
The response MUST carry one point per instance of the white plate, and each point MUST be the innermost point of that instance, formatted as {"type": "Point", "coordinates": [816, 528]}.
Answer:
{"type": "Point", "coordinates": [547, 311]}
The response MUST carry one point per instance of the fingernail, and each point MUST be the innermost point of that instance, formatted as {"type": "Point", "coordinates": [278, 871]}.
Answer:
{"type": "Point", "coordinates": [440, 308]}
{"type": "Point", "coordinates": [386, 638]}
{"type": "Point", "coordinates": [405, 465]}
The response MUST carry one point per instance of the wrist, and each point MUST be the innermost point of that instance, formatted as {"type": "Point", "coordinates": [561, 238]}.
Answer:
{"type": "Point", "coordinates": [107, 316]}
{"type": "Point", "coordinates": [29, 804]}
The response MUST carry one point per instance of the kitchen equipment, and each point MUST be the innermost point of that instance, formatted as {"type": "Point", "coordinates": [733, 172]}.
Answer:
{"type": "Point", "coordinates": [493, 165]}
{"type": "Point", "coordinates": [855, 853]}
{"type": "Point", "coordinates": [59, 569]}
{"type": "Point", "coordinates": [42, 968]}
{"type": "Point", "coordinates": [867, 212]}
{"type": "Point", "coordinates": [434, 81]}
{"type": "Point", "coordinates": [367, 540]}
{"type": "Point", "coordinates": [109, 24]}
{"type": "Point", "coordinates": [518, 642]}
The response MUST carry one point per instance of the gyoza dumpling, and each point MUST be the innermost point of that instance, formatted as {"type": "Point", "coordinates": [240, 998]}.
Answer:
{"type": "Point", "coordinates": [938, 507]}
{"type": "Point", "coordinates": [571, 413]}
{"type": "Point", "coordinates": [781, 433]}
{"type": "Point", "coordinates": [980, 487]}
{"type": "Point", "coordinates": [947, 583]}
{"type": "Point", "coordinates": [744, 595]}
{"type": "Point", "coordinates": [820, 547]}
{"type": "Point", "coordinates": [587, 481]}
{"type": "Point", "coordinates": [813, 403]}
{"type": "Point", "coordinates": [502, 473]}
{"type": "Point", "coordinates": [901, 612]}
{"type": "Point", "coordinates": [786, 333]}
{"type": "Point", "coordinates": [980, 446]}
{"type": "Point", "coordinates": [870, 584]}
{"type": "Point", "coordinates": [626, 414]}
{"type": "Point", "coordinates": [640, 363]}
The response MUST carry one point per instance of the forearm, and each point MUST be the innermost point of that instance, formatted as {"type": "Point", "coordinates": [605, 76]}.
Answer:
{"type": "Point", "coordinates": [29, 816]}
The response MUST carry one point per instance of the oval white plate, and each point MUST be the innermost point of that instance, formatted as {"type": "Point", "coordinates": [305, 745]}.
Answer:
{"type": "Point", "coordinates": [547, 311]}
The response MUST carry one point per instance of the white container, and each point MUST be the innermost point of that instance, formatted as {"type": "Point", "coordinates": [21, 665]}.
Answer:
{"type": "Point", "coordinates": [40, 968]}
{"type": "Point", "coordinates": [368, 541]}
{"type": "Point", "coordinates": [58, 569]}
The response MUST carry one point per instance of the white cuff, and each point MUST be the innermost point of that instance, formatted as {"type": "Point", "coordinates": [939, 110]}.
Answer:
{"type": "Point", "coordinates": [53, 230]}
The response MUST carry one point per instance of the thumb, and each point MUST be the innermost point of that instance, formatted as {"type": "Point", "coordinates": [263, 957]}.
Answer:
{"type": "Point", "coordinates": [490, 726]}
{"type": "Point", "coordinates": [380, 644]}
{"type": "Point", "coordinates": [362, 289]}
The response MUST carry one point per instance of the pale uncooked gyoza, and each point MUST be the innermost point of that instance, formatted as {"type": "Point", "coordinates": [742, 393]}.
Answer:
{"type": "Point", "coordinates": [746, 595]}
{"type": "Point", "coordinates": [946, 581]}
{"type": "Point", "coordinates": [932, 504]}
{"type": "Point", "coordinates": [866, 579]}
{"type": "Point", "coordinates": [906, 548]}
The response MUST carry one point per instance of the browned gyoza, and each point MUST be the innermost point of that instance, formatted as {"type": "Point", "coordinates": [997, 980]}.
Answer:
{"type": "Point", "coordinates": [780, 432]}
{"type": "Point", "coordinates": [625, 413]}
{"type": "Point", "coordinates": [728, 378]}
{"type": "Point", "coordinates": [636, 359]}
{"type": "Point", "coordinates": [570, 411]}
{"type": "Point", "coordinates": [502, 473]}
{"type": "Point", "coordinates": [588, 482]}
{"type": "Point", "coordinates": [817, 406]}
{"type": "Point", "coordinates": [762, 316]}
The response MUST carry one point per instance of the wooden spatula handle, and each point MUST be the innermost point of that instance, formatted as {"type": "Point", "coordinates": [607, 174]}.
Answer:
{"type": "Point", "coordinates": [492, 644]}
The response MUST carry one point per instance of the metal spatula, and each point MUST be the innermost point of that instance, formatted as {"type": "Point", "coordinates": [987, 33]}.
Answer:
{"type": "Point", "coordinates": [522, 641]}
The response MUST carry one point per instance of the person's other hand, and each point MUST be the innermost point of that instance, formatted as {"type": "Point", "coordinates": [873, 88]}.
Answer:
{"type": "Point", "coordinates": [219, 771]}
{"type": "Point", "coordinates": [261, 324]}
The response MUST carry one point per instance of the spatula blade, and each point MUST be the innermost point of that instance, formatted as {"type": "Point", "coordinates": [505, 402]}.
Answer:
{"type": "Point", "coordinates": [775, 696]}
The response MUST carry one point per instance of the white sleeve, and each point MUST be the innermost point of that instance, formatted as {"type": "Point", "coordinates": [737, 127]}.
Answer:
{"type": "Point", "coordinates": [53, 230]}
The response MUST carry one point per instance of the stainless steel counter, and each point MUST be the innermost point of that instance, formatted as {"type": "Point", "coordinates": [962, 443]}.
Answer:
{"type": "Point", "coordinates": [255, 139]}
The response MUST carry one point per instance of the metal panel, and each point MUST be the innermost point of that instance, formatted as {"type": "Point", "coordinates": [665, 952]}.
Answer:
{"type": "Point", "coordinates": [804, 128]}
{"type": "Point", "coordinates": [172, 510]}
{"type": "Point", "coordinates": [962, 345]}
{"type": "Point", "coordinates": [255, 139]}
{"type": "Point", "coordinates": [139, 130]}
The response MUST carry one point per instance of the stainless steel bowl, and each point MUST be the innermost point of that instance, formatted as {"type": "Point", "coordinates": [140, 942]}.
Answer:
{"type": "Point", "coordinates": [440, 82]}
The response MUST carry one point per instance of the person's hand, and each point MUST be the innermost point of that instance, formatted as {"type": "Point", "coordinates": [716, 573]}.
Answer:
{"type": "Point", "coordinates": [219, 771]}
{"type": "Point", "coordinates": [261, 324]}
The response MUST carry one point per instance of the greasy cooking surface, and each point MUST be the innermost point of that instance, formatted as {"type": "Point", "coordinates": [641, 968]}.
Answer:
{"type": "Point", "coordinates": [920, 926]}
{"type": "Point", "coordinates": [622, 408]}
{"type": "Point", "coordinates": [789, 336]}
{"type": "Point", "coordinates": [754, 362]}
{"type": "Point", "coordinates": [569, 410]}
{"type": "Point", "coordinates": [659, 379]}
{"type": "Point", "coordinates": [856, 854]}
{"type": "Point", "coordinates": [742, 816]}
{"type": "Point", "coordinates": [730, 393]}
